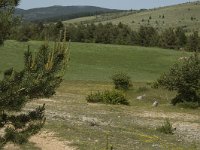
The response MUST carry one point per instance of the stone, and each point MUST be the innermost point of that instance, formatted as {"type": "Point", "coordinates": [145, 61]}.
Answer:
{"type": "Point", "coordinates": [141, 97]}
{"type": "Point", "coordinates": [155, 104]}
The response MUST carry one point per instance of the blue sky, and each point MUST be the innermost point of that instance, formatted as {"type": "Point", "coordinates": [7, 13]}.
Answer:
{"type": "Point", "coordinates": [118, 4]}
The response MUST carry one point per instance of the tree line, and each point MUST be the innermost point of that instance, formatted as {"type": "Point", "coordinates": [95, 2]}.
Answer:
{"type": "Point", "coordinates": [171, 38]}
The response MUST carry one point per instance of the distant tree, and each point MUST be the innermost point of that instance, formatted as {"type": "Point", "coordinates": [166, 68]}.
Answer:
{"type": "Point", "coordinates": [181, 38]}
{"type": "Point", "coordinates": [59, 25]}
{"type": "Point", "coordinates": [124, 34]}
{"type": "Point", "coordinates": [156, 22]}
{"type": "Point", "coordinates": [39, 31]}
{"type": "Point", "coordinates": [25, 32]}
{"type": "Point", "coordinates": [193, 43]}
{"type": "Point", "coordinates": [168, 38]}
{"type": "Point", "coordinates": [134, 37]}
{"type": "Point", "coordinates": [7, 20]}
{"type": "Point", "coordinates": [147, 36]}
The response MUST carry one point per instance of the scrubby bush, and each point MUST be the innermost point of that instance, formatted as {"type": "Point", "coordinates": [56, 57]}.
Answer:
{"type": "Point", "coordinates": [183, 77]}
{"type": "Point", "coordinates": [107, 97]}
{"type": "Point", "coordinates": [95, 97]}
{"type": "Point", "coordinates": [121, 81]}
{"type": "Point", "coordinates": [166, 127]}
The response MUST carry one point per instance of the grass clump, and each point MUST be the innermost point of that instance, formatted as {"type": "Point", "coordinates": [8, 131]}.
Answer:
{"type": "Point", "coordinates": [121, 81]}
{"type": "Point", "coordinates": [142, 89]}
{"type": "Point", "coordinates": [166, 127]}
{"type": "Point", "coordinates": [108, 97]}
{"type": "Point", "coordinates": [189, 105]}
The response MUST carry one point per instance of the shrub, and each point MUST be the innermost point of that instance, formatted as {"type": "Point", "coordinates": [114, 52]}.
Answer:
{"type": "Point", "coordinates": [121, 81]}
{"type": "Point", "coordinates": [108, 97]}
{"type": "Point", "coordinates": [183, 77]}
{"type": "Point", "coordinates": [166, 127]}
{"type": "Point", "coordinates": [95, 98]}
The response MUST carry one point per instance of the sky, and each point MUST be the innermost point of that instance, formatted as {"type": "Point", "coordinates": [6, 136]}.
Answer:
{"type": "Point", "coordinates": [117, 4]}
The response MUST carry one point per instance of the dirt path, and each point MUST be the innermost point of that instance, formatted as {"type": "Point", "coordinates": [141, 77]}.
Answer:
{"type": "Point", "coordinates": [44, 141]}
{"type": "Point", "coordinates": [47, 141]}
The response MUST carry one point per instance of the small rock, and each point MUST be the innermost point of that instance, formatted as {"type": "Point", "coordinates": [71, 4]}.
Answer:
{"type": "Point", "coordinates": [155, 104]}
{"type": "Point", "coordinates": [141, 97]}
{"type": "Point", "coordinates": [155, 145]}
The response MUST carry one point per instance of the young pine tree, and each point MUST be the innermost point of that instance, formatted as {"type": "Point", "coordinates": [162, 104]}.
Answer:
{"type": "Point", "coordinates": [42, 74]}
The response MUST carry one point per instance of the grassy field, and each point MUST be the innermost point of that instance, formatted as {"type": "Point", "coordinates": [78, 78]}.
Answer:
{"type": "Point", "coordinates": [174, 16]}
{"type": "Point", "coordinates": [87, 126]}
{"type": "Point", "coordinates": [98, 62]}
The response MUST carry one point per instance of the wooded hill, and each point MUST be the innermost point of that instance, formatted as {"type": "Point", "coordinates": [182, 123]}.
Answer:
{"type": "Point", "coordinates": [56, 13]}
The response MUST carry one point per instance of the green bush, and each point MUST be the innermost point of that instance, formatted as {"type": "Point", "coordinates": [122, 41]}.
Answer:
{"type": "Point", "coordinates": [108, 97]}
{"type": "Point", "coordinates": [95, 98]}
{"type": "Point", "coordinates": [183, 77]}
{"type": "Point", "coordinates": [166, 127]}
{"type": "Point", "coordinates": [121, 81]}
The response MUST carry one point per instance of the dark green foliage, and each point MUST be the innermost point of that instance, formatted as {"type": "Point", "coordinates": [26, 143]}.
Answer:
{"type": "Point", "coordinates": [121, 81]}
{"type": "Point", "coordinates": [181, 38]}
{"type": "Point", "coordinates": [148, 36]}
{"type": "Point", "coordinates": [173, 38]}
{"type": "Point", "coordinates": [166, 127]}
{"type": "Point", "coordinates": [168, 38]}
{"type": "Point", "coordinates": [194, 42]}
{"type": "Point", "coordinates": [6, 18]}
{"type": "Point", "coordinates": [108, 97]}
{"type": "Point", "coordinates": [183, 77]}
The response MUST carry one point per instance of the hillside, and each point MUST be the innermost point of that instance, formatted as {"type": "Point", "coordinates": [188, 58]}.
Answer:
{"type": "Point", "coordinates": [55, 13]}
{"type": "Point", "coordinates": [185, 15]}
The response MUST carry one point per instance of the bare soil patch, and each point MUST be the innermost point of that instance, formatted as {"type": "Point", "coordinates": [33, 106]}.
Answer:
{"type": "Point", "coordinates": [48, 141]}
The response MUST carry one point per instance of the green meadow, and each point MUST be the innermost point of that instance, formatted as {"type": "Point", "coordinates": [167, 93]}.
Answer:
{"type": "Point", "coordinates": [98, 62]}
